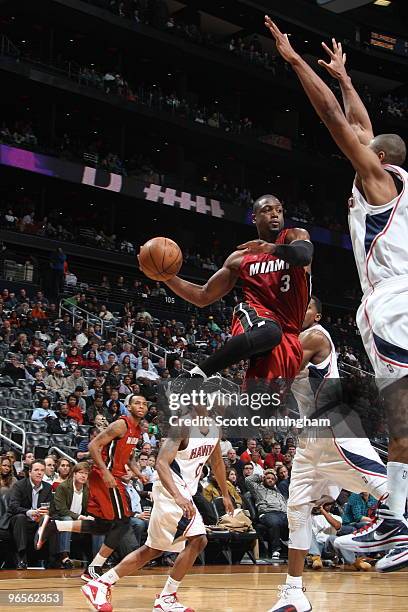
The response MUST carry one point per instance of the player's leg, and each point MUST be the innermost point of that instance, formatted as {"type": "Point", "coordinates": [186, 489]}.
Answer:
{"type": "Point", "coordinates": [306, 485]}
{"type": "Point", "coordinates": [167, 600]}
{"type": "Point", "coordinates": [396, 402]}
{"type": "Point", "coordinates": [291, 594]}
{"type": "Point", "coordinates": [260, 335]}
{"type": "Point", "coordinates": [384, 332]}
{"type": "Point", "coordinates": [98, 591]}
{"type": "Point", "coordinates": [115, 532]}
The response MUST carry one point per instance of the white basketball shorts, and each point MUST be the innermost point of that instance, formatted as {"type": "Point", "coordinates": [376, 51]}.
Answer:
{"type": "Point", "coordinates": [168, 527]}
{"type": "Point", "coordinates": [325, 465]}
{"type": "Point", "coordinates": [382, 319]}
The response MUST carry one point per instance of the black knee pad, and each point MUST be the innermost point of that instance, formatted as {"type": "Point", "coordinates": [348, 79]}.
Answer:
{"type": "Point", "coordinates": [264, 336]}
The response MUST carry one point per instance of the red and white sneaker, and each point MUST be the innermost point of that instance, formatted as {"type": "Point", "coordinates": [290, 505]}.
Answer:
{"type": "Point", "coordinates": [169, 603]}
{"type": "Point", "coordinates": [98, 594]}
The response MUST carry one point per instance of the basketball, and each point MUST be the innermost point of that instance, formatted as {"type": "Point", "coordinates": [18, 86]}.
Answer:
{"type": "Point", "coordinates": [160, 258]}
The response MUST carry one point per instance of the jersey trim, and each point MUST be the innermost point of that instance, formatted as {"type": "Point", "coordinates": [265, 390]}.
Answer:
{"type": "Point", "coordinates": [392, 351]}
{"type": "Point", "coordinates": [375, 225]}
{"type": "Point", "coordinates": [384, 230]}
{"type": "Point", "coordinates": [362, 464]}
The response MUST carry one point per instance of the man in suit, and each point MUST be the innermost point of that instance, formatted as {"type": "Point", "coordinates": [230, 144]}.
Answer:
{"type": "Point", "coordinates": [24, 508]}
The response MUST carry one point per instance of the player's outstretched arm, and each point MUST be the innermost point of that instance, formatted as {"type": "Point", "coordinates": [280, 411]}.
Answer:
{"type": "Point", "coordinates": [218, 469]}
{"type": "Point", "coordinates": [115, 430]}
{"type": "Point", "coordinates": [356, 113]}
{"type": "Point", "coordinates": [215, 288]}
{"type": "Point", "coordinates": [365, 162]}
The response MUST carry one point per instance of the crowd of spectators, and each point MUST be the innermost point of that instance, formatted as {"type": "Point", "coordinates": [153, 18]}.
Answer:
{"type": "Point", "coordinates": [77, 377]}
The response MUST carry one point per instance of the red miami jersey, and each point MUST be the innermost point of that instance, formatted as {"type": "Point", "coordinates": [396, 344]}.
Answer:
{"type": "Point", "coordinates": [116, 454]}
{"type": "Point", "coordinates": [275, 289]}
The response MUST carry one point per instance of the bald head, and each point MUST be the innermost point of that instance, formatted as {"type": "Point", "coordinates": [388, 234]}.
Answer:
{"type": "Point", "coordinates": [263, 200]}
{"type": "Point", "coordinates": [392, 146]}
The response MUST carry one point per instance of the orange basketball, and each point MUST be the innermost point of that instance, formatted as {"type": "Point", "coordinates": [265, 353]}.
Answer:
{"type": "Point", "coordinates": [160, 258]}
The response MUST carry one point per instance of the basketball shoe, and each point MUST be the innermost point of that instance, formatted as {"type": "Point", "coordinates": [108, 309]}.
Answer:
{"type": "Point", "coordinates": [169, 603]}
{"type": "Point", "coordinates": [98, 594]}
{"type": "Point", "coordinates": [291, 599]}
{"type": "Point", "coordinates": [93, 572]}
{"type": "Point", "coordinates": [386, 531]}
{"type": "Point", "coordinates": [394, 560]}
{"type": "Point", "coordinates": [46, 528]}
{"type": "Point", "coordinates": [187, 382]}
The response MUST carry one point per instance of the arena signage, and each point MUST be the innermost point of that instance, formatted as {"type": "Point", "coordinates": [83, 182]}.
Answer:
{"type": "Point", "coordinates": [79, 173]}
{"type": "Point", "coordinates": [164, 196]}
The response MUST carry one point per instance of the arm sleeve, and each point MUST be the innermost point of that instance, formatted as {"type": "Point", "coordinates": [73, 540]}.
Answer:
{"type": "Point", "coordinates": [297, 253]}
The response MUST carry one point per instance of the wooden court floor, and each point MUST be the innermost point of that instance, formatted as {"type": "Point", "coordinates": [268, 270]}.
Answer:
{"type": "Point", "coordinates": [219, 589]}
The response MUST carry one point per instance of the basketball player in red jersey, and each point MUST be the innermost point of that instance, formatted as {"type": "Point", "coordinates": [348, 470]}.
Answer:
{"type": "Point", "coordinates": [108, 505]}
{"type": "Point", "coordinates": [275, 271]}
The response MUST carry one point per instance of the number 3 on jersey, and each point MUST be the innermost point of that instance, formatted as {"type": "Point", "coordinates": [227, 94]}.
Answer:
{"type": "Point", "coordinates": [285, 286]}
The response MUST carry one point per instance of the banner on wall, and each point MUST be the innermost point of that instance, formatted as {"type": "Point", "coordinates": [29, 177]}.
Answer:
{"type": "Point", "coordinates": [158, 194]}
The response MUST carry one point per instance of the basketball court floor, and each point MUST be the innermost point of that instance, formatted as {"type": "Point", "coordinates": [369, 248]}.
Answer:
{"type": "Point", "coordinates": [217, 589]}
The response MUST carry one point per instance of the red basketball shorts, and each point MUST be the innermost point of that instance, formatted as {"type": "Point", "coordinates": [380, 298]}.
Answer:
{"type": "Point", "coordinates": [104, 502]}
{"type": "Point", "coordinates": [282, 362]}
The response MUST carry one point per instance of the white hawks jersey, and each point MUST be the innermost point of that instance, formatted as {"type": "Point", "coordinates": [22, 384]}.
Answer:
{"type": "Point", "coordinates": [318, 385]}
{"type": "Point", "coordinates": [379, 234]}
{"type": "Point", "coordinates": [188, 464]}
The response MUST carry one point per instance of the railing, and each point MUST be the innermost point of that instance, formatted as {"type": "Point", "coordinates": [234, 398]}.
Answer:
{"type": "Point", "coordinates": [355, 370]}
{"type": "Point", "coordinates": [20, 447]}
{"type": "Point", "coordinates": [89, 317]}
{"type": "Point", "coordinates": [62, 454]}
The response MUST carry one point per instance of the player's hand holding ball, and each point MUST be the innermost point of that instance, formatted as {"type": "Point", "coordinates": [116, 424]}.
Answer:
{"type": "Point", "coordinates": [160, 258]}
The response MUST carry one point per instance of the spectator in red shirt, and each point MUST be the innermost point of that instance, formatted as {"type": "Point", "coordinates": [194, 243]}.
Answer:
{"type": "Point", "coordinates": [274, 456]}
{"type": "Point", "coordinates": [91, 361]}
{"type": "Point", "coordinates": [74, 409]}
{"type": "Point", "coordinates": [74, 358]}
{"type": "Point", "coordinates": [38, 312]}
{"type": "Point", "coordinates": [246, 456]}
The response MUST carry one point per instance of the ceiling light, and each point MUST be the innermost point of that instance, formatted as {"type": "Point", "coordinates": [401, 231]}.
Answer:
{"type": "Point", "coordinates": [382, 2]}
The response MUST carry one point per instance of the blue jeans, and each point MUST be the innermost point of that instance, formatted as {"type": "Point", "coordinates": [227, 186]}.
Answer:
{"type": "Point", "coordinates": [64, 538]}
{"type": "Point", "coordinates": [139, 527]}
{"type": "Point", "coordinates": [319, 548]}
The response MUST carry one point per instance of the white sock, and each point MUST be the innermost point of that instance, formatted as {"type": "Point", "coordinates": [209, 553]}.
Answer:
{"type": "Point", "coordinates": [109, 577]}
{"type": "Point", "coordinates": [198, 371]}
{"type": "Point", "coordinates": [98, 561]}
{"type": "Point", "coordinates": [397, 485]}
{"type": "Point", "coordinates": [170, 587]}
{"type": "Point", "coordinates": [64, 525]}
{"type": "Point", "coordinates": [294, 581]}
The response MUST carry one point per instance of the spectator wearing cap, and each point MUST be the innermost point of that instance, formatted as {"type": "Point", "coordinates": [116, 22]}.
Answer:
{"type": "Point", "coordinates": [271, 507]}
{"type": "Point", "coordinates": [55, 381]}
{"type": "Point", "coordinates": [65, 326]}
{"type": "Point", "coordinates": [78, 392]}
{"type": "Point", "coordinates": [75, 380]}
